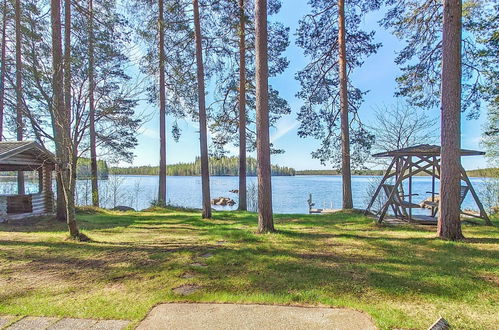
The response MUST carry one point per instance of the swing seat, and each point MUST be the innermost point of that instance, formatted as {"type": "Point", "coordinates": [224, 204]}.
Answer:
{"type": "Point", "coordinates": [398, 198]}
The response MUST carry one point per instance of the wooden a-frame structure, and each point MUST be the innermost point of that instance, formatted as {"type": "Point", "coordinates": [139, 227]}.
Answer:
{"type": "Point", "coordinates": [408, 162]}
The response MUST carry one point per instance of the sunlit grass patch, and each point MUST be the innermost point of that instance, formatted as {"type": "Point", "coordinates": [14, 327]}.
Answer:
{"type": "Point", "coordinates": [402, 276]}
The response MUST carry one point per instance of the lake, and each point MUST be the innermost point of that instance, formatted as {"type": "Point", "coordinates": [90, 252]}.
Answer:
{"type": "Point", "coordinates": [290, 193]}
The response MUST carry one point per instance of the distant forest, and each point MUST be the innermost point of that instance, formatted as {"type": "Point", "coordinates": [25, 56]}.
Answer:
{"type": "Point", "coordinates": [83, 170]}
{"type": "Point", "coordinates": [226, 166]}
{"type": "Point", "coordinates": [336, 172]}
{"type": "Point", "coordinates": [229, 166]}
{"type": "Point", "coordinates": [486, 172]}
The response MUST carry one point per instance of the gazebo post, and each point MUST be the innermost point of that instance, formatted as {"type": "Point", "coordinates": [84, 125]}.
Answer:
{"type": "Point", "coordinates": [433, 184]}
{"type": "Point", "coordinates": [378, 189]}
{"type": "Point", "coordinates": [40, 180]}
{"type": "Point", "coordinates": [395, 186]}
{"type": "Point", "coordinates": [410, 187]}
{"type": "Point", "coordinates": [483, 214]}
{"type": "Point", "coordinates": [47, 188]}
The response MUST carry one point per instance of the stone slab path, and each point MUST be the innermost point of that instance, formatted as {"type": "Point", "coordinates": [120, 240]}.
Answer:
{"type": "Point", "coordinates": [235, 316]}
{"type": "Point", "coordinates": [54, 323]}
{"type": "Point", "coordinates": [212, 317]}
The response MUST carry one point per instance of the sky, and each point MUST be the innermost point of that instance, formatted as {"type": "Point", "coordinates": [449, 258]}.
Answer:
{"type": "Point", "coordinates": [377, 75]}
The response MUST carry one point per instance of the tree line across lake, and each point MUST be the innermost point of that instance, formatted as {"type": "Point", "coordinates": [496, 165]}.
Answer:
{"type": "Point", "coordinates": [226, 166]}
{"type": "Point", "coordinates": [229, 166]}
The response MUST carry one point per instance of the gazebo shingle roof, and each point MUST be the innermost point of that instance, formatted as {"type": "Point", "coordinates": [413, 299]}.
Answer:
{"type": "Point", "coordinates": [9, 149]}
{"type": "Point", "coordinates": [424, 150]}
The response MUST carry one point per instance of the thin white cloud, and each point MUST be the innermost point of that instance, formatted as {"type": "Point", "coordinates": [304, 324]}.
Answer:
{"type": "Point", "coordinates": [283, 128]}
{"type": "Point", "coordinates": [150, 133]}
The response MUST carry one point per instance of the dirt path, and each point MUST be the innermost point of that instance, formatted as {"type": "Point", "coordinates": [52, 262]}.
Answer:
{"type": "Point", "coordinates": [235, 316]}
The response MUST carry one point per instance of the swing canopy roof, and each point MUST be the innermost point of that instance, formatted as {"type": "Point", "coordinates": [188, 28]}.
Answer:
{"type": "Point", "coordinates": [423, 150]}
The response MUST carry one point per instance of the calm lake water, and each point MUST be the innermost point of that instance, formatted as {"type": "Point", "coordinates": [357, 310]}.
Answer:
{"type": "Point", "coordinates": [290, 194]}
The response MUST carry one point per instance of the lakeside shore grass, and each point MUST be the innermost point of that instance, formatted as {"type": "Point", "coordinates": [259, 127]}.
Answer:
{"type": "Point", "coordinates": [401, 276]}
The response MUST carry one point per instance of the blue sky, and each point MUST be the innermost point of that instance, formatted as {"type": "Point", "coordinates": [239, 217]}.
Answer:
{"type": "Point", "coordinates": [377, 75]}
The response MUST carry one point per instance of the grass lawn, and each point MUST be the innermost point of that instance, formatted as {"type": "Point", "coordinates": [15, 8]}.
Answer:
{"type": "Point", "coordinates": [401, 276]}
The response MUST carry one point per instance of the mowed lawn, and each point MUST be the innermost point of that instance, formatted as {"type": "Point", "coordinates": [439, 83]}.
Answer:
{"type": "Point", "coordinates": [401, 276]}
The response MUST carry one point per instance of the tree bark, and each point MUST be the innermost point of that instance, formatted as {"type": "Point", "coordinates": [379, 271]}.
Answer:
{"type": "Point", "coordinates": [61, 203]}
{"type": "Point", "coordinates": [265, 218]}
{"type": "Point", "coordinates": [345, 126]}
{"type": "Point", "coordinates": [91, 90]}
{"type": "Point", "coordinates": [3, 68]}
{"type": "Point", "coordinates": [203, 132]}
{"type": "Point", "coordinates": [62, 137]}
{"type": "Point", "coordinates": [449, 223]}
{"type": "Point", "coordinates": [243, 203]}
{"type": "Point", "coordinates": [67, 59]}
{"type": "Point", "coordinates": [162, 107]}
{"type": "Point", "coordinates": [19, 91]}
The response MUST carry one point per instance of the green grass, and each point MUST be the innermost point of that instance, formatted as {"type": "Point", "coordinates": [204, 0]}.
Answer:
{"type": "Point", "coordinates": [401, 276]}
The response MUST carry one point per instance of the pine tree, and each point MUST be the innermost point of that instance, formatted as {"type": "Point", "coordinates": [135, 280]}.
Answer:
{"type": "Point", "coordinates": [331, 37]}
{"type": "Point", "coordinates": [3, 57]}
{"type": "Point", "coordinates": [168, 37]}
{"type": "Point", "coordinates": [91, 101]}
{"type": "Point", "coordinates": [234, 109]}
{"type": "Point", "coordinates": [19, 90]}
{"type": "Point", "coordinates": [449, 221]}
{"type": "Point", "coordinates": [265, 217]}
{"type": "Point", "coordinates": [162, 104]}
{"type": "Point", "coordinates": [203, 139]}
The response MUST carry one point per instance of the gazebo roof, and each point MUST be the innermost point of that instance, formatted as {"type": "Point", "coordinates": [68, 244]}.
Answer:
{"type": "Point", "coordinates": [423, 150]}
{"type": "Point", "coordinates": [23, 155]}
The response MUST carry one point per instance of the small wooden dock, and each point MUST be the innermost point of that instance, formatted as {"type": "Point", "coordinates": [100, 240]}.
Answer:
{"type": "Point", "coordinates": [323, 211]}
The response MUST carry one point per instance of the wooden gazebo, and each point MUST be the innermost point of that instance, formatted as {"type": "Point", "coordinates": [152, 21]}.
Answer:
{"type": "Point", "coordinates": [405, 164]}
{"type": "Point", "coordinates": [27, 156]}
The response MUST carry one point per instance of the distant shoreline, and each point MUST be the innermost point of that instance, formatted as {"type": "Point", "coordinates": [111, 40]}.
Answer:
{"type": "Point", "coordinates": [481, 173]}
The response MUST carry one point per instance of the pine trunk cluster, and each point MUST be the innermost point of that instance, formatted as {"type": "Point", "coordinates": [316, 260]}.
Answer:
{"type": "Point", "coordinates": [62, 137]}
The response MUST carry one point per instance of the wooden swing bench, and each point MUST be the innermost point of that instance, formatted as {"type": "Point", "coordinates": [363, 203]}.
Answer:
{"type": "Point", "coordinates": [400, 206]}
{"type": "Point", "coordinates": [405, 164]}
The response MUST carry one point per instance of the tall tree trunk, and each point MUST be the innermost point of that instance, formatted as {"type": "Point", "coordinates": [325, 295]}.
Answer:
{"type": "Point", "coordinates": [91, 89]}
{"type": "Point", "coordinates": [19, 91]}
{"type": "Point", "coordinates": [203, 134]}
{"type": "Point", "coordinates": [62, 138]}
{"type": "Point", "coordinates": [243, 204]}
{"type": "Point", "coordinates": [3, 67]}
{"type": "Point", "coordinates": [162, 107]}
{"type": "Point", "coordinates": [345, 126]}
{"type": "Point", "coordinates": [265, 219]}
{"type": "Point", "coordinates": [449, 223]}
{"type": "Point", "coordinates": [61, 204]}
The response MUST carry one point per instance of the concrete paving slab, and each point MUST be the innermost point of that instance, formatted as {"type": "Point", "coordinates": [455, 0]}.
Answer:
{"type": "Point", "coordinates": [249, 317]}
{"type": "Point", "coordinates": [33, 323]}
{"type": "Point", "coordinates": [73, 324]}
{"type": "Point", "coordinates": [6, 319]}
{"type": "Point", "coordinates": [110, 325]}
